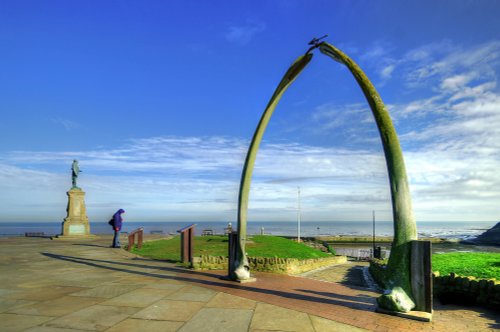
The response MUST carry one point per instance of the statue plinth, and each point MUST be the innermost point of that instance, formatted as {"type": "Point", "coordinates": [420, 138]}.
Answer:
{"type": "Point", "coordinates": [76, 223]}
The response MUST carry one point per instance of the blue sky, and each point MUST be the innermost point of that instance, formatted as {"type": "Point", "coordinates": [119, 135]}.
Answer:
{"type": "Point", "coordinates": [158, 101]}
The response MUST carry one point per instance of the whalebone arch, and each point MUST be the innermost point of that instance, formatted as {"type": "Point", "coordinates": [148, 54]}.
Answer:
{"type": "Point", "coordinates": [399, 296]}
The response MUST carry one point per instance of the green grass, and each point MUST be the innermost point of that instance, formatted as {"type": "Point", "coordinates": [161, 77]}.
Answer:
{"type": "Point", "coordinates": [470, 264]}
{"type": "Point", "coordinates": [275, 246]}
{"type": "Point", "coordinates": [258, 246]}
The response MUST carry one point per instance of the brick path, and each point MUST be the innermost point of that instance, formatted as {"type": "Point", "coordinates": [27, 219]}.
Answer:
{"type": "Point", "coordinates": [54, 285]}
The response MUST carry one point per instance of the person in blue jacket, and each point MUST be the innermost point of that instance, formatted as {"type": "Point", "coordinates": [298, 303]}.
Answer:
{"type": "Point", "coordinates": [117, 226]}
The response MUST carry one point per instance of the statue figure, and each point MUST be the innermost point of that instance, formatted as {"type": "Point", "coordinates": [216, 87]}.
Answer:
{"type": "Point", "coordinates": [74, 172]}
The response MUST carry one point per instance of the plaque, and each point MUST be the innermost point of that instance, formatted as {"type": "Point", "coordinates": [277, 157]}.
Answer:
{"type": "Point", "coordinates": [76, 229]}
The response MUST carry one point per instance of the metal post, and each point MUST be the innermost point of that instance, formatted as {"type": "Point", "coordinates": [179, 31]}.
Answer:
{"type": "Point", "coordinates": [191, 244]}
{"type": "Point", "coordinates": [231, 253]}
{"type": "Point", "coordinates": [373, 218]}
{"type": "Point", "coordinates": [298, 214]}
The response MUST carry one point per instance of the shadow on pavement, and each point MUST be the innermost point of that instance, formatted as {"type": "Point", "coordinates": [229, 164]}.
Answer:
{"type": "Point", "coordinates": [358, 298]}
{"type": "Point", "coordinates": [354, 277]}
{"type": "Point", "coordinates": [483, 312]}
{"type": "Point", "coordinates": [91, 245]}
{"type": "Point", "coordinates": [212, 279]}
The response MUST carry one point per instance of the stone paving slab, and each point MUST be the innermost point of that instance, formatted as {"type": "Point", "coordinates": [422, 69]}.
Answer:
{"type": "Point", "coordinates": [131, 324]}
{"type": "Point", "coordinates": [270, 317]}
{"type": "Point", "coordinates": [4, 292]}
{"type": "Point", "coordinates": [15, 322]}
{"type": "Point", "coordinates": [6, 304]}
{"type": "Point", "coordinates": [193, 293]}
{"type": "Point", "coordinates": [93, 318]}
{"type": "Point", "coordinates": [223, 300]}
{"type": "Point", "coordinates": [106, 291]}
{"type": "Point", "coordinates": [326, 325]}
{"type": "Point", "coordinates": [50, 329]}
{"type": "Point", "coordinates": [139, 298]}
{"type": "Point", "coordinates": [57, 307]}
{"type": "Point", "coordinates": [219, 319]}
{"type": "Point", "coordinates": [172, 285]}
{"type": "Point", "coordinates": [170, 310]}
{"type": "Point", "coordinates": [43, 293]}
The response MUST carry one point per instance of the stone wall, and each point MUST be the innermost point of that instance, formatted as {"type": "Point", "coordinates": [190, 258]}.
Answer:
{"type": "Point", "coordinates": [269, 264]}
{"type": "Point", "coordinates": [453, 288]}
{"type": "Point", "coordinates": [206, 262]}
{"type": "Point", "coordinates": [377, 270]}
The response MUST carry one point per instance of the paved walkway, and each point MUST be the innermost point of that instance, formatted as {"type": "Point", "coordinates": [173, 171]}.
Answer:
{"type": "Point", "coordinates": [66, 286]}
{"type": "Point", "coordinates": [352, 273]}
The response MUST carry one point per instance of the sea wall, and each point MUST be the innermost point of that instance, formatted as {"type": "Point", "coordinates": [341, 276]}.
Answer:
{"type": "Point", "coordinates": [269, 264]}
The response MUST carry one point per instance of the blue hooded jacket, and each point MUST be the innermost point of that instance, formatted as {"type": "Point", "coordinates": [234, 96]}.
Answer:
{"type": "Point", "coordinates": [117, 219]}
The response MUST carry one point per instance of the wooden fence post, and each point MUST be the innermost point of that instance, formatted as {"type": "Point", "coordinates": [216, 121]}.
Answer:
{"type": "Point", "coordinates": [131, 238]}
{"type": "Point", "coordinates": [187, 241]}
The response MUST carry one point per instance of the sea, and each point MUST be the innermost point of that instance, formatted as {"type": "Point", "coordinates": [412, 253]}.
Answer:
{"type": "Point", "coordinates": [449, 230]}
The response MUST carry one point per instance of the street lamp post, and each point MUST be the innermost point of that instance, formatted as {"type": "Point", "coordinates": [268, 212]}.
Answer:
{"type": "Point", "coordinates": [373, 219]}
{"type": "Point", "coordinates": [298, 214]}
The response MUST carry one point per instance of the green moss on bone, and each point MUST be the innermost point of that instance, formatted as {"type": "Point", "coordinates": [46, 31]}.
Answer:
{"type": "Point", "coordinates": [241, 269]}
{"type": "Point", "coordinates": [398, 296]}
{"type": "Point", "coordinates": [398, 267]}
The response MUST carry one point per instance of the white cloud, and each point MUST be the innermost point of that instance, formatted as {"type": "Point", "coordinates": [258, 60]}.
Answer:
{"type": "Point", "coordinates": [450, 138]}
{"type": "Point", "coordinates": [456, 82]}
{"type": "Point", "coordinates": [243, 34]}
{"type": "Point", "coordinates": [443, 63]}
{"type": "Point", "coordinates": [453, 141]}
{"type": "Point", "coordinates": [350, 124]}
{"type": "Point", "coordinates": [386, 71]}
{"type": "Point", "coordinates": [448, 63]}
{"type": "Point", "coordinates": [165, 178]}
{"type": "Point", "coordinates": [66, 123]}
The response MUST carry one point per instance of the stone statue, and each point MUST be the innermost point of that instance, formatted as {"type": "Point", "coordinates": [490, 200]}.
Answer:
{"type": "Point", "coordinates": [74, 172]}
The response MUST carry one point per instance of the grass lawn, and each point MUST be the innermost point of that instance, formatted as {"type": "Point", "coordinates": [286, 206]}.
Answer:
{"type": "Point", "coordinates": [470, 264]}
{"type": "Point", "coordinates": [258, 246]}
{"type": "Point", "coordinates": [275, 246]}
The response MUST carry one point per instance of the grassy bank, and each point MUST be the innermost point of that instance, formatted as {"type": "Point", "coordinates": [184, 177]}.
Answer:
{"type": "Point", "coordinates": [258, 246]}
{"type": "Point", "coordinates": [471, 264]}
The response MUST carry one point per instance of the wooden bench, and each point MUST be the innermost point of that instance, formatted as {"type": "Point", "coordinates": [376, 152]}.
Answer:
{"type": "Point", "coordinates": [34, 234]}
{"type": "Point", "coordinates": [207, 232]}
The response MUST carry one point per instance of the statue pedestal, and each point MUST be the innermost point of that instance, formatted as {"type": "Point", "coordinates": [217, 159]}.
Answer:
{"type": "Point", "coordinates": [76, 224]}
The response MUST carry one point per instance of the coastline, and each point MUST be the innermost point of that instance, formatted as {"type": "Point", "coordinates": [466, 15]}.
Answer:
{"type": "Point", "coordinates": [343, 229]}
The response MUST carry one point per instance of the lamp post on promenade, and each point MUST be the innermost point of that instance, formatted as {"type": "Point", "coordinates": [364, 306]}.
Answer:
{"type": "Point", "coordinates": [373, 219]}
{"type": "Point", "coordinates": [298, 214]}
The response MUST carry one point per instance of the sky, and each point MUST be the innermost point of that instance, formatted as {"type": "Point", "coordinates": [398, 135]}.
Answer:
{"type": "Point", "coordinates": [158, 101]}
